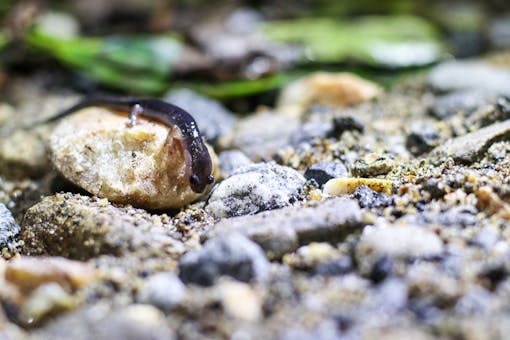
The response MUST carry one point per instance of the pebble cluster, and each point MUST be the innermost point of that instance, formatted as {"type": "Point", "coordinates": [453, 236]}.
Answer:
{"type": "Point", "coordinates": [330, 219]}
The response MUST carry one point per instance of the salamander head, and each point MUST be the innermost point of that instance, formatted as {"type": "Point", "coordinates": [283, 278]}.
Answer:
{"type": "Point", "coordinates": [201, 171]}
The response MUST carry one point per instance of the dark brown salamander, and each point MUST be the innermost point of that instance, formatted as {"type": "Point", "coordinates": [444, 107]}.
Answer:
{"type": "Point", "coordinates": [196, 153]}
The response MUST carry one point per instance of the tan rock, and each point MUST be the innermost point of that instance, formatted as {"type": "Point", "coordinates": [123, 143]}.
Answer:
{"type": "Point", "coordinates": [28, 273]}
{"type": "Point", "coordinates": [241, 301]}
{"type": "Point", "coordinates": [331, 89]}
{"type": "Point", "coordinates": [137, 165]}
{"type": "Point", "coordinates": [23, 153]}
{"type": "Point", "coordinates": [342, 186]}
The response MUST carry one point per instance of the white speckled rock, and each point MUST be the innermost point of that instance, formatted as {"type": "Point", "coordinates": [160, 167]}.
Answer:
{"type": "Point", "coordinates": [399, 241]}
{"type": "Point", "coordinates": [254, 188]}
{"type": "Point", "coordinates": [96, 150]}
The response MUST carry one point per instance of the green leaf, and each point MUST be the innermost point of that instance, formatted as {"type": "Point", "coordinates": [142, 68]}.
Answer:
{"type": "Point", "coordinates": [389, 41]}
{"type": "Point", "coordinates": [4, 39]}
{"type": "Point", "coordinates": [238, 88]}
{"type": "Point", "coordinates": [140, 64]}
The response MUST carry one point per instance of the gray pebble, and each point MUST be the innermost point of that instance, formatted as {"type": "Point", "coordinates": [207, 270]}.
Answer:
{"type": "Point", "coordinates": [255, 188]}
{"type": "Point", "coordinates": [232, 160]}
{"type": "Point", "coordinates": [232, 255]}
{"type": "Point", "coordinates": [461, 101]}
{"type": "Point", "coordinates": [324, 171]}
{"type": "Point", "coordinates": [283, 230]}
{"type": "Point", "coordinates": [470, 75]}
{"type": "Point", "coordinates": [212, 118]}
{"type": "Point", "coordinates": [163, 290]}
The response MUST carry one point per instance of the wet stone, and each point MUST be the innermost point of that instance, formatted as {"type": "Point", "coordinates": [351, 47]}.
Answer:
{"type": "Point", "coordinates": [470, 75]}
{"type": "Point", "coordinates": [232, 160]}
{"type": "Point", "coordinates": [9, 229]}
{"type": "Point", "coordinates": [255, 188]}
{"type": "Point", "coordinates": [471, 147]}
{"type": "Point", "coordinates": [281, 231]}
{"type": "Point", "coordinates": [369, 198]}
{"type": "Point", "coordinates": [324, 171]}
{"type": "Point", "coordinates": [163, 290]}
{"type": "Point", "coordinates": [462, 102]}
{"type": "Point", "coordinates": [232, 255]}
{"type": "Point", "coordinates": [212, 118]}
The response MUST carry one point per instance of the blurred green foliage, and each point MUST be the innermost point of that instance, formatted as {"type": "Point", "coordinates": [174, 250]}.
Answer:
{"type": "Point", "coordinates": [140, 64]}
{"type": "Point", "coordinates": [333, 41]}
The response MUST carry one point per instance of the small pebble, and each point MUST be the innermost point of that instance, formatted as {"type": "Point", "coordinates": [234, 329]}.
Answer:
{"type": "Point", "coordinates": [462, 102]}
{"type": "Point", "coordinates": [342, 186]}
{"type": "Point", "coordinates": [163, 290]}
{"type": "Point", "coordinates": [261, 134]}
{"type": "Point", "coordinates": [343, 124]}
{"type": "Point", "coordinates": [232, 160]}
{"type": "Point", "coordinates": [28, 273]}
{"type": "Point", "coordinates": [421, 140]}
{"type": "Point", "coordinates": [233, 255]}
{"type": "Point", "coordinates": [47, 300]}
{"type": "Point", "coordinates": [330, 89]}
{"type": "Point", "coordinates": [369, 198]}
{"type": "Point", "coordinates": [212, 118]}
{"type": "Point", "coordinates": [399, 241]}
{"type": "Point", "coordinates": [9, 229]}
{"type": "Point", "coordinates": [255, 188]}
{"type": "Point", "coordinates": [324, 171]}
{"type": "Point", "coordinates": [372, 165]}
{"type": "Point", "coordinates": [240, 301]}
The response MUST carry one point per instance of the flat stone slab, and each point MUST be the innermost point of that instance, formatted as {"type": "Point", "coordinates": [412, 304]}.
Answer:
{"type": "Point", "coordinates": [471, 147]}
{"type": "Point", "coordinates": [284, 230]}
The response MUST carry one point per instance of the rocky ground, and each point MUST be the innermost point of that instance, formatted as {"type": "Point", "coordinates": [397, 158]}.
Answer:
{"type": "Point", "coordinates": [347, 211]}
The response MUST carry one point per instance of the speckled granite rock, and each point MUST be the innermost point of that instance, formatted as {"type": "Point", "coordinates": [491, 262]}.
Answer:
{"type": "Point", "coordinates": [95, 150]}
{"type": "Point", "coordinates": [255, 188]}
{"type": "Point", "coordinates": [80, 227]}
{"type": "Point", "coordinates": [281, 231]}
{"type": "Point", "coordinates": [9, 229]}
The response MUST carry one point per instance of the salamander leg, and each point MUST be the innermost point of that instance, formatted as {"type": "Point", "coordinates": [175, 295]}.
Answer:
{"type": "Point", "coordinates": [133, 115]}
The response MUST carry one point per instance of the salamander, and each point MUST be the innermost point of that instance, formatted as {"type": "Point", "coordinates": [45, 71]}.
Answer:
{"type": "Point", "coordinates": [198, 159]}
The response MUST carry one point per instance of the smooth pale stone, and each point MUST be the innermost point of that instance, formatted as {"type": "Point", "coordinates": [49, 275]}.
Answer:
{"type": "Point", "coordinates": [341, 186]}
{"type": "Point", "coordinates": [142, 165]}
{"type": "Point", "coordinates": [330, 89]}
